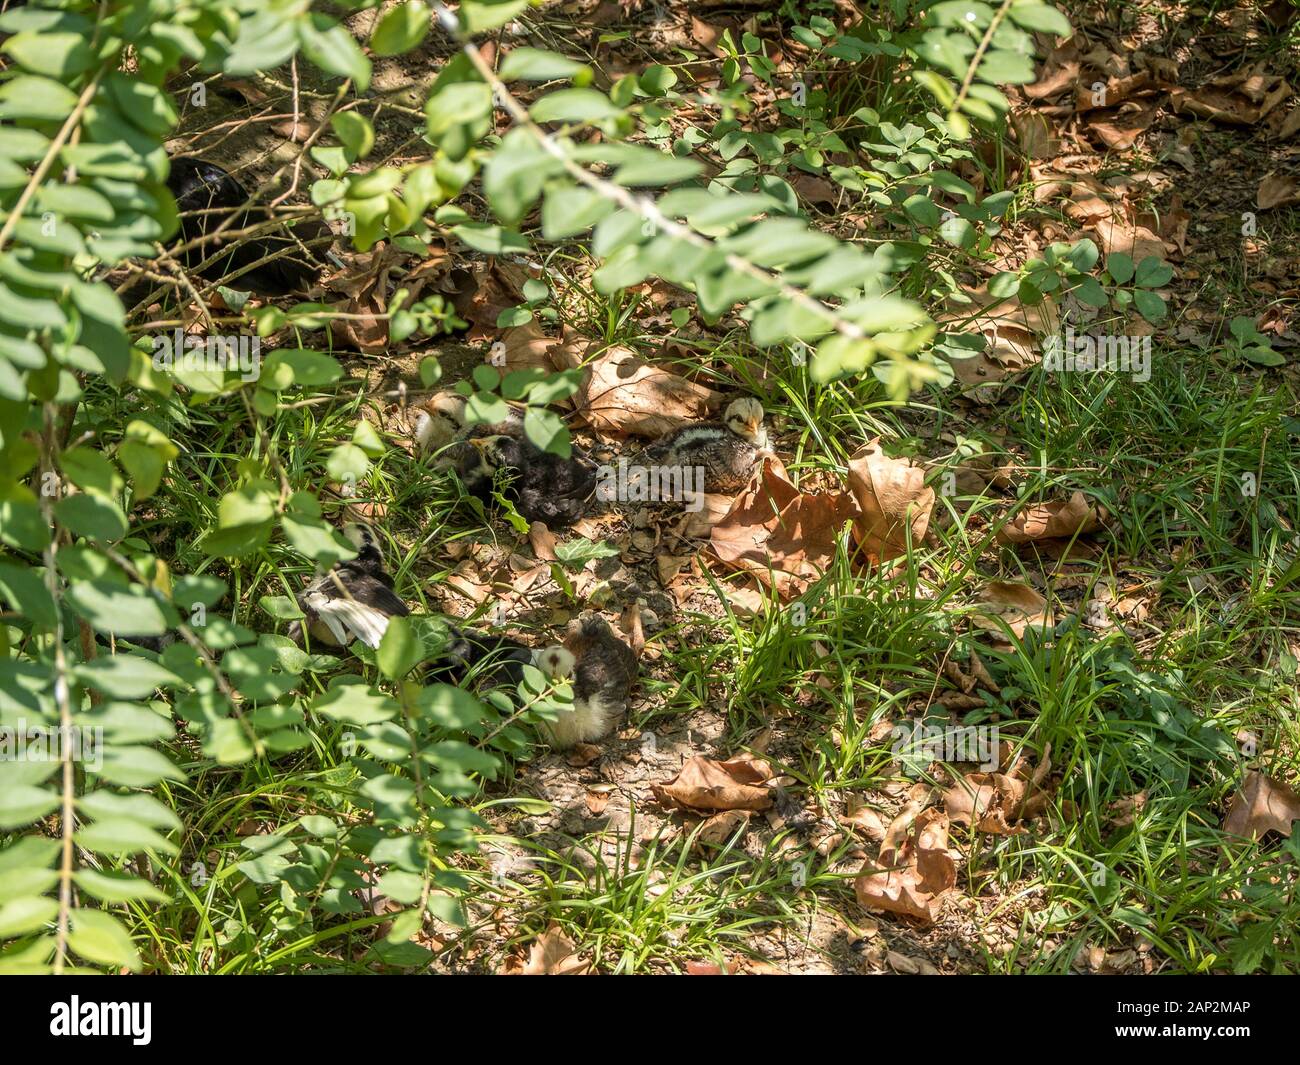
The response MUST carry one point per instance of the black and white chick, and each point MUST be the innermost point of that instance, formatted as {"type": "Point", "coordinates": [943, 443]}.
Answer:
{"type": "Point", "coordinates": [199, 186]}
{"type": "Point", "coordinates": [728, 451]}
{"type": "Point", "coordinates": [542, 486]}
{"type": "Point", "coordinates": [603, 669]}
{"type": "Point", "coordinates": [354, 600]}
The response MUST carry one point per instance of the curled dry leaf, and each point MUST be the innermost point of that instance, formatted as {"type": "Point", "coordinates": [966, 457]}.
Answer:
{"type": "Point", "coordinates": [369, 283]}
{"type": "Point", "coordinates": [552, 954]}
{"type": "Point", "coordinates": [621, 393]}
{"type": "Point", "coordinates": [706, 784]}
{"type": "Point", "coordinates": [543, 541]}
{"type": "Point", "coordinates": [524, 347]}
{"type": "Point", "coordinates": [914, 872]}
{"type": "Point", "coordinates": [1277, 190]}
{"type": "Point", "coordinates": [489, 287]}
{"type": "Point", "coordinates": [996, 802]}
{"type": "Point", "coordinates": [1012, 602]}
{"type": "Point", "coordinates": [1052, 521]}
{"type": "Point", "coordinates": [719, 828]}
{"type": "Point", "coordinates": [894, 501]}
{"type": "Point", "coordinates": [1263, 805]}
{"type": "Point", "coordinates": [784, 537]}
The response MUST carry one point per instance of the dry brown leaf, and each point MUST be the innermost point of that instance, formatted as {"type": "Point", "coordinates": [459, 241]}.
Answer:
{"type": "Point", "coordinates": [894, 501]}
{"type": "Point", "coordinates": [1052, 521]}
{"type": "Point", "coordinates": [1060, 71]}
{"type": "Point", "coordinates": [863, 818]}
{"type": "Point", "coordinates": [1121, 129]}
{"type": "Point", "coordinates": [481, 293]}
{"type": "Point", "coordinates": [1263, 805]}
{"type": "Point", "coordinates": [707, 784]}
{"type": "Point", "coordinates": [581, 755]}
{"type": "Point", "coordinates": [369, 283]}
{"type": "Point", "coordinates": [1017, 604]}
{"type": "Point", "coordinates": [1290, 125]}
{"type": "Point", "coordinates": [915, 871]}
{"type": "Point", "coordinates": [1277, 190]}
{"type": "Point", "coordinates": [523, 347]}
{"type": "Point", "coordinates": [784, 537]}
{"type": "Point", "coordinates": [698, 524]}
{"type": "Point", "coordinates": [1035, 136]}
{"type": "Point", "coordinates": [719, 828]}
{"type": "Point", "coordinates": [543, 541]}
{"type": "Point", "coordinates": [1135, 241]}
{"type": "Point", "coordinates": [995, 803]}
{"type": "Point", "coordinates": [552, 954]}
{"type": "Point", "coordinates": [621, 393]}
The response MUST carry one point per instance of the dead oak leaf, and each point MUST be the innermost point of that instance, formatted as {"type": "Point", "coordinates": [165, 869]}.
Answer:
{"type": "Point", "coordinates": [552, 954]}
{"type": "Point", "coordinates": [914, 872]}
{"type": "Point", "coordinates": [621, 393]}
{"type": "Point", "coordinates": [894, 501]}
{"type": "Point", "coordinates": [784, 537]}
{"type": "Point", "coordinates": [1016, 604]}
{"type": "Point", "coordinates": [1053, 521]}
{"type": "Point", "coordinates": [1262, 805]}
{"type": "Point", "coordinates": [707, 784]}
{"type": "Point", "coordinates": [997, 803]}
{"type": "Point", "coordinates": [1277, 190]}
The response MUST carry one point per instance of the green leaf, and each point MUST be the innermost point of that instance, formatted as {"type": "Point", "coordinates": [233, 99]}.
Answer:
{"type": "Point", "coordinates": [21, 804]}
{"type": "Point", "coordinates": [25, 592]}
{"type": "Point", "coordinates": [491, 240]}
{"type": "Point", "coordinates": [401, 29]}
{"type": "Point", "coordinates": [534, 64]}
{"type": "Point", "coordinates": [137, 766]}
{"type": "Point", "coordinates": [125, 676]}
{"type": "Point", "coordinates": [354, 704]}
{"type": "Point", "coordinates": [355, 131]}
{"type": "Point", "coordinates": [1149, 305]}
{"type": "Point", "coordinates": [1044, 18]}
{"type": "Point", "coordinates": [399, 651]}
{"type": "Point", "coordinates": [332, 48]}
{"type": "Point", "coordinates": [1153, 273]}
{"type": "Point", "coordinates": [110, 607]}
{"type": "Point", "coordinates": [1120, 267]}
{"type": "Point", "coordinates": [100, 938]}
{"type": "Point", "coordinates": [28, 98]}
{"type": "Point", "coordinates": [476, 16]}
{"type": "Point", "coordinates": [574, 106]}
{"type": "Point", "coordinates": [122, 835]}
{"type": "Point", "coordinates": [117, 887]}
{"type": "Point", "coordinates": [62, 55]}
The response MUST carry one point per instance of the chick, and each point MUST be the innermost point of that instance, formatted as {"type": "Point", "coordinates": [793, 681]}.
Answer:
{"type": "Point", "coordinates": [727, 450]}
{"type": "Point", "coordinates": [198, 186]}
{"type": "Point", "coordinates": [603, 669]}
{"type": "Point", "coordinates": [354, 600]}
{"type": "Point", "coordinates": [443, 426]}
{"type": "Point", "coordinates": [543, 486]}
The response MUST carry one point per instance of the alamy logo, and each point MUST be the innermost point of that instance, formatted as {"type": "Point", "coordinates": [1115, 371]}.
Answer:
{"type": "Point", "coordinates": [181, 351]}
{"type": "Point", "coordinates": [103, 1018]}
{"type": "Point", "coordinates": [52, 743]}
{"type": "Point", "coordinates": [651, 484]}
{"type": "Point", "coordinates": [1085, 353]}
